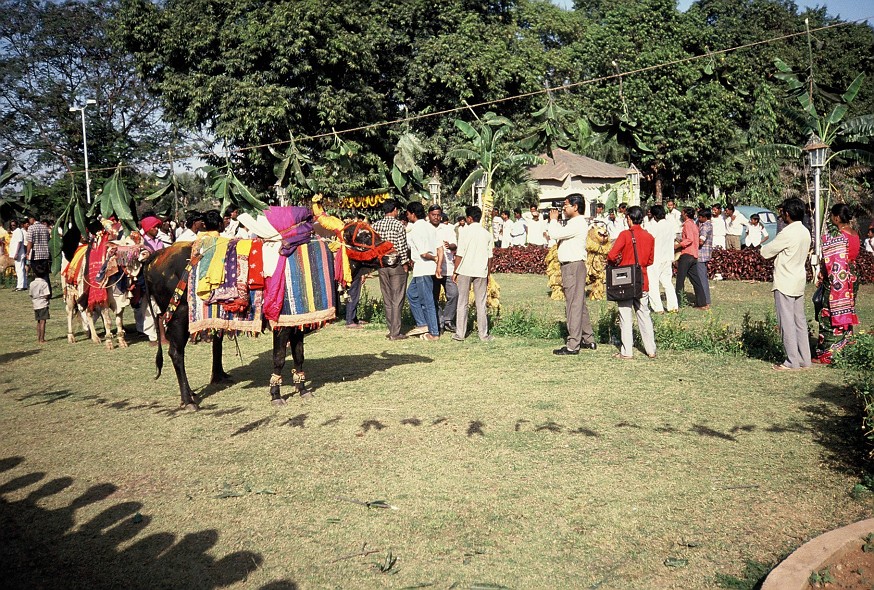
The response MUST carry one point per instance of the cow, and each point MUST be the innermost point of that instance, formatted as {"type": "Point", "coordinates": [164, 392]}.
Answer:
{"type": "Point", "coordinates": [166, 272]}
{"type": "Point", "coordinates": [76, 286]}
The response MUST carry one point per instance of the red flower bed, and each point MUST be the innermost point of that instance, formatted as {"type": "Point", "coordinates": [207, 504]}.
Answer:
{"type": "Point", "coordinates": [748, 265]}
{"type": "Point", "coordinates": [521, 260]}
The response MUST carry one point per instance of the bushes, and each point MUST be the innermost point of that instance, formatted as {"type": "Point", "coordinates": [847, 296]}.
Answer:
{"type": "Point", "coordinates": [748, 265]}
{"type": "Point", "coordinates": [520, 260]}
{"type": "Point", "coordinates": [857, 362]}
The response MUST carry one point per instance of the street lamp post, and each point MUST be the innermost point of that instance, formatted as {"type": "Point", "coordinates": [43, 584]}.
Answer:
{"type": "Point", "coordinates": [434, 189]}
{"type": "Point", "coordinates": [633, 176]}
{"type": "Point", "coordinates": [816, 154]}
{"type": "Point", "coordinates": [81, 109]}
{"type": "Point", "coordinates": [479, 186]}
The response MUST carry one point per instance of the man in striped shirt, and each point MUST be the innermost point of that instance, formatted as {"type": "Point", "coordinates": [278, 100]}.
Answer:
{"type": "Point", "coordinates": [393, 281]}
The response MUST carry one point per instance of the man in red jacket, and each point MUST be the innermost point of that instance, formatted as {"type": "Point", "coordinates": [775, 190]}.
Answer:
{"type": "Point", "coordinates": [623, 254]}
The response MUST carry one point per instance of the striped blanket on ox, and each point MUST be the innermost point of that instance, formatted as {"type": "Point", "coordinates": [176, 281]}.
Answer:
{"type": "Point", "coordinates": [203, 315]}
{"type": "Point", "coordinates": [301, 291]}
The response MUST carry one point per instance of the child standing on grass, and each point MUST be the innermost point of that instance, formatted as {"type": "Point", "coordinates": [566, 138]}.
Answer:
{"type": "Point", "coordinates": [40, 294]}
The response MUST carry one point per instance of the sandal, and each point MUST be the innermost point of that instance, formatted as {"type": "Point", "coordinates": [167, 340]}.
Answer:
{"type": "Point", "coordinates": [621, 356]}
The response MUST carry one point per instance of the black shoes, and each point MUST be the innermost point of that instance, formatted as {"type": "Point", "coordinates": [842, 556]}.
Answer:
{"type": "Point", "coordinates": [563, 351]}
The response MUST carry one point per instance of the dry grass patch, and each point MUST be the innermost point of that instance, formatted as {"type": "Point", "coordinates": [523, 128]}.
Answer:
{"type": "Point", "coordinates": [507, 465]}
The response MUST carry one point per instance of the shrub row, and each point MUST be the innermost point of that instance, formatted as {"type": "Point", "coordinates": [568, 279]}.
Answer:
{"type": "Point", "coordinates": [733, 265]}
{"type": "Point", "coordinates": [520, 260]}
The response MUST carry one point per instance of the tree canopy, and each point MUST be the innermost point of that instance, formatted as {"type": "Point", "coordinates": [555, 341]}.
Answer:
{"type": "Point", "coordinates": [633, 81]}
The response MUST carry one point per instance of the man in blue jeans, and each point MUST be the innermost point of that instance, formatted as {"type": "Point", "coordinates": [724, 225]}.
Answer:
{"type": "Point", "coordinates": [426, 256]}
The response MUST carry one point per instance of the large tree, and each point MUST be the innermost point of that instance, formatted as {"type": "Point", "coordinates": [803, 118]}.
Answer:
{"type": "Point", "coordinates": [57, 55]}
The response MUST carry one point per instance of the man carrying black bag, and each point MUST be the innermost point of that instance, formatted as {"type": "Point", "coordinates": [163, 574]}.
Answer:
{"type": "Point", "coordinates": [634, 246]}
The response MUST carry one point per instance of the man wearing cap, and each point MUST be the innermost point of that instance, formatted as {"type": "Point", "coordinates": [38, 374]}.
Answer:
{"type": "Point", "coordinates": [151, 225]}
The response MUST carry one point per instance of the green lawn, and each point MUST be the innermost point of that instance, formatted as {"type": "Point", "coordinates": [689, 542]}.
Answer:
{"type": "Point", "coordinates": [505, 465]}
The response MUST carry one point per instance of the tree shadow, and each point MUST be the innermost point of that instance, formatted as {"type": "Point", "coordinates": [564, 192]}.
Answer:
{"type": "Point", "coordinates": [47, 548]}
{"type": "Point", "coordinates": [835, 423]}
{"type": "Point", "coordinates": [14, 356]}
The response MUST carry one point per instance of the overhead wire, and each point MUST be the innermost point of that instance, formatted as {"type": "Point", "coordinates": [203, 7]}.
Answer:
{"type": "Point", "coordinates": [417, 117]}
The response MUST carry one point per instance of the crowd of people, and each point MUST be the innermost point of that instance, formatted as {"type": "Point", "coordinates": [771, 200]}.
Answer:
{"type": "Point", "coordinates": [438, 257]}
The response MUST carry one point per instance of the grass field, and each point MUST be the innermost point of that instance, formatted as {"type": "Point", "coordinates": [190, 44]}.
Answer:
{"type": "Point", "coordinates": [503, 465]}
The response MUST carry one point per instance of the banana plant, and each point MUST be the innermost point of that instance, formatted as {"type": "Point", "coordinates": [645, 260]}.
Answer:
{"type": "Point", "coordinates": [550, 129]}
{"type": "Point", "coordinates": [488, 147]}
{"type": "Point", "coordinates": [115, 200]}
{"type": "Point", "coordinates": [848, 139]}
{"type": "Point", "coordinates": [167, 195]}
{"type": "Point", "coordinates": [226, 188]}
{"type": "Point", "coordinates": [295, 169]}
{"type": "Point", "coordinates": [406, 174]}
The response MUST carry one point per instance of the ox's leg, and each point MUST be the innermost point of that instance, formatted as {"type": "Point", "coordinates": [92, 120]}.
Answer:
{"type": "Point", "coordinates": [177, 334]}
{"type": "Point", "coordinates": [70, 304]}
{"type": "Point", "coordinates": [218, 371]}
{"type": "Point", "coordinates": [107, 326]}
{"type": "Point", "coordinates": [119, 322]}
{"type": "Point", "coordinates": [280, 344]}
{"type": "Point", "coordinates": [297, 375]}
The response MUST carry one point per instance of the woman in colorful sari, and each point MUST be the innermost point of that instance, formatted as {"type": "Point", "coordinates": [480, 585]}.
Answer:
{"type": "Point", "coordinates": [840, 248]}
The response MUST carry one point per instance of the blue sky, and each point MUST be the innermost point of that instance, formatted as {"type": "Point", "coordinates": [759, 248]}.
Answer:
{"type": "Point", "coordinates": [846, 9]}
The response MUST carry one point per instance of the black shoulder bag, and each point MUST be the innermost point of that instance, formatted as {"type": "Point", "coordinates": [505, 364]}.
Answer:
{"type": "Point", "coordinates": [625, 282]}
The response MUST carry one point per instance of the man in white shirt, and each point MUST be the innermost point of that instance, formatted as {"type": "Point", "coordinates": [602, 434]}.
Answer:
{"type": "Point", "coordinates": [18, 253]}
{"type": "Point", "coordinates": [756, 233]}
{"type": "Point", "coordinates": [518, 229]}
{"type": "Point", "coordinates": [660, 272]}
{"type": "Point", "coordinates": [571, 239]}
{"type": "Point", "coordinates": [734, 225]}
{"type": "Point", "coordinates": [789, 249]}
{"type": "Point", "coordinates": [446, 240]}
{"type": "Point", "coordinates": [426, 256]}
{"type": "Point", "coordinates": [869, 241]}
{"type": "Point", "coordinates": [672, 214]}
{"type": "Point", "coordinates": [536, 229]}
{"type": "Point", "coordinates": [718, 223]}
{"type": "Point", "coordinates": [473, 260]}
{"type": "Point", "coordinates": [193, 224]}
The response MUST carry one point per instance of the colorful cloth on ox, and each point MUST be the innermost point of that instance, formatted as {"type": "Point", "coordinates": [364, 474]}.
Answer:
{"type": "Point", "coordinates": [301, 291]}
{"type": "Point", "coordinates": [838, 314]}
{"type": "Point", "coordinates": [294, 224]}
{"type": "Point", "coordinates": [203, 316]}
{"type": "Point", "coordinates": [98, 295]}
{"type": "Point", "coordinates": [71, 273]}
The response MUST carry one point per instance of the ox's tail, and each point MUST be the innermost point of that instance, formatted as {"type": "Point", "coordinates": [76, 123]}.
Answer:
{"type": "Point", "coordinates": [147, 299]}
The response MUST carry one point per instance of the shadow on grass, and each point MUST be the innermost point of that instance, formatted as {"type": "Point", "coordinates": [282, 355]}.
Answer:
{"type": "Point", "coordinates": [321, 371]}
{"type": "Point", "coordinates": [47, 548]}
{"type": "Point", "coordinates": [14, 356]}
{"type": "Point", "coordinates": [835, 421]}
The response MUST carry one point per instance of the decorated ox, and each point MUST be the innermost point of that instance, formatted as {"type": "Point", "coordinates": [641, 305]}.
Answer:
{"type": "Point", "coordinates": [297, 298]}
{"type": "Point", "coordinates": [95, 281]}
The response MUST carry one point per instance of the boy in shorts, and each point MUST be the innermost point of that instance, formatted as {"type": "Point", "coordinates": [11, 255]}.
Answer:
{"type": "Point", "coordinates": [40, 294]}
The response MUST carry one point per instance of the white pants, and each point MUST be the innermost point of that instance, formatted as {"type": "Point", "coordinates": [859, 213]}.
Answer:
{"type": "Point", "coordinates": [145, 321]}
{"type": "Point", "coordinates": [659, 275]}
{"type": "Point", "coordinates": [20, 274]}
{"type": "Point", "coordinates": [644, 324]}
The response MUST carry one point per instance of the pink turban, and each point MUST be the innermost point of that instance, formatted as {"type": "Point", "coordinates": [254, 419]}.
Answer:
{"type": "Point", "coordinates": [149, 223]}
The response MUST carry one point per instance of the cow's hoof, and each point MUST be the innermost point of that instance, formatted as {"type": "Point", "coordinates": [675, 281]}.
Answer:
{"type": "Point", "coordinates": [122, 344]}
{"type": "Point", "coordinates": [221, 378]}
{"type": "Point", "coordinates": [109, 345]}
{"type": "Point", "coordinates": [192, 407]}
{"type": "Point", "coordinates": [71, 339]}
{"type": "Point", "coordinates": [278, 402]}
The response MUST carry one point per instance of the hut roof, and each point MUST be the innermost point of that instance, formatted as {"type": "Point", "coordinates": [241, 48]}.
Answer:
{"type": "Point", "coordinates": [565, 163]}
